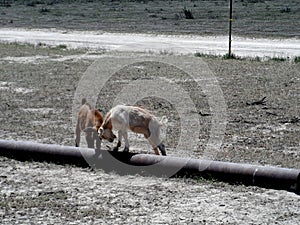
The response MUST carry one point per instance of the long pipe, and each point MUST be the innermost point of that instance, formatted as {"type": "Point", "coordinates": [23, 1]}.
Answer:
{"type": "Point", "coordinates": [148, 164]}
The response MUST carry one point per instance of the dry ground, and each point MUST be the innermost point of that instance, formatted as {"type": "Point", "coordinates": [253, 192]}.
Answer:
{"type": "Point", "coordinates": [37, 193]}
{"type": "Point", "coordinates": [37, 86]}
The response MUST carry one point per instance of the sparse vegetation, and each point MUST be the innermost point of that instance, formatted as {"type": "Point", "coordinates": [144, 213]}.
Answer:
{"type": "Point", "coordinates": [297, 59]}
{"type": "Point", "coordinates": [5, 3]}
{"type": "Point", "coordinates": [205, 55]}
{"type": "Point", "coordinates": [231, 56]}
{"type": "Point", "coordinates": [254, 59]}
{"type": "Point", "coordinates": [253, 17]}
{"type": "Point", "coordinates": [44, 10]}
{"type": "Point", "coordinates": [286, 10]}
{"type": "Point", "coordinates": [278, 59]}
{"type": "Point", "coordinates": [34, 3]}
{"type": "Point", "coordinates": [23, 50]}
{"type": "Point", "coordinates": [188, 14]}
{"type": "Point", "coordinates": [62, 46]}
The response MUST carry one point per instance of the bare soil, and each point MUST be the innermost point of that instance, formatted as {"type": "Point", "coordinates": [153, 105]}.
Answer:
{"type": "Point", "coordinates": [37, 85]}
{"type": "Point", "coordinates": [37, 193]}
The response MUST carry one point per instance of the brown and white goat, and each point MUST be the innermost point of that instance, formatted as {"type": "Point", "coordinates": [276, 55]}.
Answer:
{"type": "Point", "coordinates": [136, 119]}
{"type": "Point", "coordinates": [88, 117]}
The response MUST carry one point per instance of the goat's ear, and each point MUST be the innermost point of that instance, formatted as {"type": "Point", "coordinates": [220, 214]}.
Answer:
{"type": "Point", "coordinates": [90, 129]}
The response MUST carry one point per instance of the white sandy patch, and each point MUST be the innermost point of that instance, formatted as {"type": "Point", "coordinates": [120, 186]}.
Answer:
{"type": "Point", "coordinates": [43, 111]}
{"type": "Point", "coordinates": [22, 90]}
{"type": "Point", "coordinates": [25, 59]}
{"type": "Point", "coordinates": [271, 128]}
{"type": "Point", "coordinates": [10, 86]}
{"type": "Point", "coordinates": [56, 58]}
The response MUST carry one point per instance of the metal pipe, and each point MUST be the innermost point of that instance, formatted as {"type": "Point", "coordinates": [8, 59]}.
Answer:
{"type": "Point", "coordinates": [148, 164]}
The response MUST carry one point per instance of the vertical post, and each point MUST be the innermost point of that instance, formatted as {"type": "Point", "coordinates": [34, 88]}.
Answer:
{"type": "Point", "coordinates": [230, 25]}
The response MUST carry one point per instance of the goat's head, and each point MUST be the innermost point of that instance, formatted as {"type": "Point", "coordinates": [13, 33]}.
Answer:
{"type": "Point", "coordinates": [106, 134]}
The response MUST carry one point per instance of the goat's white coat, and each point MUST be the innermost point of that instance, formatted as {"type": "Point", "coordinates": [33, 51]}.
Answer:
{"type": "Point", "coordinates": [136, 119]}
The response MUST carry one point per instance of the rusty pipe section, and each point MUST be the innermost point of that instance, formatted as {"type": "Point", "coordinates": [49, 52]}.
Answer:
{"type": "Point", "coordinates": [153, 165]}
{"type": "Point", "coordinates": [247, 174]}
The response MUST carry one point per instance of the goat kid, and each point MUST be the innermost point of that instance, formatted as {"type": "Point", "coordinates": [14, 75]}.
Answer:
{"type": "Point", "coordinates": [88, 117]}
{"type": "Point", "coordinates": [136, 119]}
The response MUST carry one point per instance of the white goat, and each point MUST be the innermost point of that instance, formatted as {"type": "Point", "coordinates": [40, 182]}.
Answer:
{"type": "Point", "coordinates": [137, 120]}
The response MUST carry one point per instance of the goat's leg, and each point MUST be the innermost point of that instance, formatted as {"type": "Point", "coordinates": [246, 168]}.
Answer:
{"type": "Point", "coordinates": [125, 135]}
{"type": "Point", "coordinates": [77, 140]}
{"type": "Point", "coordinates": [156, 151]}
{"type": "Point", "coordinates": [154, 146]}
{"type": "Point", "coordinates": [116, 148]}
{"type": "Point", "coordinates": [98, 141]}
{"type": "Point", "coordinates": [89, 139]}
{"type": "Point", "coordinates": [162, 149]}
{"type": "Point", "coordinates": [154, 140]}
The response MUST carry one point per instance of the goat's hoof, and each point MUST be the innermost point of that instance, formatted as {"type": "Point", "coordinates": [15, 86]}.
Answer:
{"type": "Point", "coordinates": [163, 152]}
{"type": "Point", "coordinates": [162, 149]}
{"type": "Point", "coordinates": [126, 149]}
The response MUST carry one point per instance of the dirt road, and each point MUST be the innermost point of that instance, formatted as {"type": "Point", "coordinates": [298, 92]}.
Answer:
{"type": "Point", "coordinates": [178, 44]}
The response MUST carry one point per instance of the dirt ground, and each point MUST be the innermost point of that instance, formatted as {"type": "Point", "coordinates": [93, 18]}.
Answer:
{"type": "Point", "coordinates": [37, 91]}
{"type": "Point", "coordinates": [37, 193]}
{"type": "Point", "coordinates": [37, 87]}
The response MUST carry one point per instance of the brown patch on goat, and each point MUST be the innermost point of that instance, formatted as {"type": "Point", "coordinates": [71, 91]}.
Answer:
{"type": "Point", "coordinates": [107, 124]}
{"type": "Point", "coordinates": [88, 117]}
